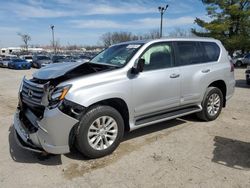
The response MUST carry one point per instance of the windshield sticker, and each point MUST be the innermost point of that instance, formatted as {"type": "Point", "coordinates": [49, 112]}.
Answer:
{"type": "Point", "coordinates": [134, 46]}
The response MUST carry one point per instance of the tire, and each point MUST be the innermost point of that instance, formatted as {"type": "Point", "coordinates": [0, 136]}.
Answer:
{"type": "Point", "coordinates": [211, 111]}
{"type": "Point", "coordinates": [238, 63]}
{"type": "Point", "coordinates": [248, 81]}
{"type": "Point", "coordinates": [94, 142]}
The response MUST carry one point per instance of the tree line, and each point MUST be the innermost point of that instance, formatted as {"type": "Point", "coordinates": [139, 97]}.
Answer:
{"type": "Point", "coordinates": [229, 21]}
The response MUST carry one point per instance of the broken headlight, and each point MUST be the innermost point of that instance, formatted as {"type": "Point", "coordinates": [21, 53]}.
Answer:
{"type": "Point", "coordinates": [57, 95]}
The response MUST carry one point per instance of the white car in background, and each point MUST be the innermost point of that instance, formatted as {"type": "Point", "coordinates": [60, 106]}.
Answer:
{"type": "Point", "coordinates": [241, 60]}
{"type": "Point", "coordinates": [5, 61]}
{"type": "Point", "coordinates": [28, 58]}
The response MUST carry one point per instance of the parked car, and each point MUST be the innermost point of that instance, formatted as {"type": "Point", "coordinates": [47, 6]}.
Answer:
{"type": "Point", "coordinates": [125, 87]}
{"type": "Point", "coordinates": [19, 64]}
{"type": "Point", "coordinates": [5, 61]}
{"type": "Point", "coordinates": [28, 58]}
{"type": "Point", "coordinates": [40, 61]}
{"type": "Point", "coordinates": [81, 58]}
{"type": "Point", "coordinates": [248, 75]}
{"type": "Point", "coordinates": [58, 58]}
{"type": "Point", "coordinates": [241, 60]}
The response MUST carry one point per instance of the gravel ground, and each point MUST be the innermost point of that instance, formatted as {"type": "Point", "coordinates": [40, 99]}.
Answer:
{"type": "Point", "coordinates": [180, 153]}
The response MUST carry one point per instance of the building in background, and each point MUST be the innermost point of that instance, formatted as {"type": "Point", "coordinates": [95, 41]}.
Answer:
{"type": "Point", "coordinates": [10, 50]}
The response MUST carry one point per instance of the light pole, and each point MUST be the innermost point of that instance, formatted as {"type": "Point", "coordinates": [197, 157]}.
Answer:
{"type": "Point", "coordinates": [162, 10]}
{"type": "Point", "coordinates": [53, 38]}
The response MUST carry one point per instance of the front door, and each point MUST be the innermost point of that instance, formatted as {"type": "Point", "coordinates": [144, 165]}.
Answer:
{"type": "Point", "coordinates": [158, 86]}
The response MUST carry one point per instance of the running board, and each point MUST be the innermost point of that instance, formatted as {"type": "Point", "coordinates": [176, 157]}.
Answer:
{"type": "Point", "coordinates": [167, 116]}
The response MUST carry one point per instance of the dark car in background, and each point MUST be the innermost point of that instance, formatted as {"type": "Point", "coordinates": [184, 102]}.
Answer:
{"type": "Point", "coordinates": [40, 61]}
{"type": "Point", "coordinates": [58, 58]}
{"type": "Point", "coordinates": [19, 64]}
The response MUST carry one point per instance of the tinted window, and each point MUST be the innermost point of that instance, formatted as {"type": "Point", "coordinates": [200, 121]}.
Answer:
{"type": "Point", "coordinates": [212, 51]}
{"type": "Point", "coordinates": [27, 57]}
{"type": "Point", "coordinates": [43, 58]}
{"type": "Point", "coordinates": [158, 56]}
{"type": "Point", "coordinates": [189, 53]}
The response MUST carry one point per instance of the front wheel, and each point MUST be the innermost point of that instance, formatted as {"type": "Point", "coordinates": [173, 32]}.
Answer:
{"type": "Point", "coordinates": [100, 131]}
{"type": "Point", "coordinates": [211, 104]}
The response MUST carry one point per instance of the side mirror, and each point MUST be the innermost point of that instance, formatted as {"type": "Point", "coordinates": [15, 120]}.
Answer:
{"type": "Point", "coordinates": [139, 66]}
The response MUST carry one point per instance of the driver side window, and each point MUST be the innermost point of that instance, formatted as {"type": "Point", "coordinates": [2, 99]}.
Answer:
{"type": "Point", "coordinates": [158, 56]}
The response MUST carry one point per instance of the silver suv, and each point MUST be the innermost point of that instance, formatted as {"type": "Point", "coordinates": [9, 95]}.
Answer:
{"type": "Point", "coordinates": [125, 87]}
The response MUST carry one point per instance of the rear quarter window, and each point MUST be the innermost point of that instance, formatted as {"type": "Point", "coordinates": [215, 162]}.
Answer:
{"type": "Point", "coordinates": [211, 51]}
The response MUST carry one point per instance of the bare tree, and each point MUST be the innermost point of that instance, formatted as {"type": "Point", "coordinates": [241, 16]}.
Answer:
{"type": "Point", "coordinates": [153, 34]}
{"type": "Point", "coordinates": [107, 39]}
{"type": "Point", "coordinates": [178, 32]}
{"type": "Point", "coordinates": [25, 38]}
{"type": "Point", "coordinates": [116, 37]}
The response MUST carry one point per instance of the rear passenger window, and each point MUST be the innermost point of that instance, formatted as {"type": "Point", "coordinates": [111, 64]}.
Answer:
{"type": "Point", "coordinates": [189, 53]}
{"type": "Point", "coordinates": [212, 51]}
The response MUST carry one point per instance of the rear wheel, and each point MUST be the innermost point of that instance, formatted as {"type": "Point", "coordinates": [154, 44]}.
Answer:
{"type": "Point", "coordinates": [100, 131]}
{"type": "Point", "coordinates": [211, 104]}
{"type": "Point", "coordinates": [248, 81]}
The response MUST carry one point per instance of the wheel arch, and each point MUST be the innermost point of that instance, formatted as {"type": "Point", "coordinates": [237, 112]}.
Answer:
{"type": "Point", "coordinates": [220, 84]}
{"type": "Point", "coordinates": [120, 105]}
{"type": "Point", "coordinates": [117, 103]}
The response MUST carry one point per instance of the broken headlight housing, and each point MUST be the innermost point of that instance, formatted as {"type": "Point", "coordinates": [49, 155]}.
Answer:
{"type": "Point", "coordinates": [57, 95]}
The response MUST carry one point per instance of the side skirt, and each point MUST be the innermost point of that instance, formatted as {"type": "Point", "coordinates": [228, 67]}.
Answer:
{"type": "Point", "coordinates": [164, 116]}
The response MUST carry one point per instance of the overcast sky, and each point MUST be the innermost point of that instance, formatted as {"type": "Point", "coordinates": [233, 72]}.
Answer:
{"type": "Point", "coordinates": [84, 21]}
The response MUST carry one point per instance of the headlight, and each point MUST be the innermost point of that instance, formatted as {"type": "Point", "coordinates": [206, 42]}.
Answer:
{"type": "Point", "coordinates": [58, 94]}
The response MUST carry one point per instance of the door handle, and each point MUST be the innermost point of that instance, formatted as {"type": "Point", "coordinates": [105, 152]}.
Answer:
{"type": "Point", "coordinates": [174, 75]}
{"type": "Point", "coordinates": [205, 71]}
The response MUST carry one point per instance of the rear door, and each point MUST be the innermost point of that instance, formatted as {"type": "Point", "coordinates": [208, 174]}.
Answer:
{"type": "Point", "coordinates": [196, 61]}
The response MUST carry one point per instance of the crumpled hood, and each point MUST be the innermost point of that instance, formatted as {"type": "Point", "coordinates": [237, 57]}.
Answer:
{"type": "Point", "coordinates": [56, 70]}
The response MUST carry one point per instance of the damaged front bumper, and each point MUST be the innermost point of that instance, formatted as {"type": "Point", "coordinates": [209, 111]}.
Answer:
{"type": "Point", "coordinates": [51, 133]}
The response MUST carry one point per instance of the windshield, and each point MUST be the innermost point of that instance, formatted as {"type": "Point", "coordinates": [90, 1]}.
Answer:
{"type": "Point", "coordinates": [117, 55]}
{"type": "Point", "coordinates": [43, 58]}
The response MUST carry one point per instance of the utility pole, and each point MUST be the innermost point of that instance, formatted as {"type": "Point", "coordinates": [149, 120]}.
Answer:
{"type": "Point", "coordinates": [162, 10]}
{"type": "Point", "coordinates": [53, 38]}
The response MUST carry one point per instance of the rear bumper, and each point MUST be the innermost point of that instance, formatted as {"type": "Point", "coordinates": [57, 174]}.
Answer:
{"type": "Point", "coordinates": [51, 136]}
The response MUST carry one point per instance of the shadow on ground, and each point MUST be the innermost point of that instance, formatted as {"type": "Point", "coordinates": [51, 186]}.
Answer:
{"type": "Point", "coordinates": [241, 84]}
{"type": "Point", "coordinates": [22, 156]}
{"type": "Point", "coordinates": [231, 153]}
{"type": "Point", "coordinates": [135, 134]}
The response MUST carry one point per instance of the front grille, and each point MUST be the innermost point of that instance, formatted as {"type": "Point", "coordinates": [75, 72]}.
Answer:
{"type": "Point", "coordinates": [32, 93]}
